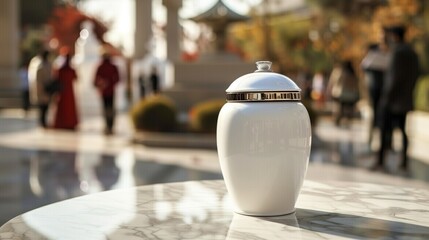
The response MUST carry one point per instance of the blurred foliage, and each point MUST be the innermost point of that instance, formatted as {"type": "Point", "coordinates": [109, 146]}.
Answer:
{"type": "Point", "coordinates": [350, 8]}
{"type": "Point", "coordinates": [65, 23]}
{"type": "Point", "coordinates": [422, 94]}
{"type": "Point", "coordinates": [33, 18]}
{"type": "Point", "coordinates": [44, 20]}
{"type": "Point", "coordinates": [35, 13]}
{"type": "Point", "coordinates": [290, 46]}
{"type": "Point", "coordinates": [328, 31]}
{"type": "Point", "coordinates": [422, 42]}
{"type": "Point", "coordinates": [156, 113]}
{"type": "Point", "coordinates": [32, 43]}
{"type": "Point", "coordinates": [325, 32]}
{"type": "Point", "coordinates": [203, 116]}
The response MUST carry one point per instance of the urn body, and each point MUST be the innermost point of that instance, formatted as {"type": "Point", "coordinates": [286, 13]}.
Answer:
{"type": "Point", "coordinates": [264, 152]}
{"type": "Point", "coordinates": [263, 142]}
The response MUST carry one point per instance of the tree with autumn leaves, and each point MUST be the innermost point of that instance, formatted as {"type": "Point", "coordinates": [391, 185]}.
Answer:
{"type": "Point", "coordinates": [329, 30]}
{"type": "Point", "coordinates": [65, 24]}
{"type": "Point", "coordinates": [52, 24]}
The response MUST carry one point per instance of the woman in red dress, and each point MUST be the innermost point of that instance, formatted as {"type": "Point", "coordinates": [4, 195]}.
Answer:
{"type": "Point", "coordinates": [66, 115]}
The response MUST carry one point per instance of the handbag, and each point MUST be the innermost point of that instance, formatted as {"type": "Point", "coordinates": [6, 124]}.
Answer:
{"type": "Point", "coordinates": [53, 86]}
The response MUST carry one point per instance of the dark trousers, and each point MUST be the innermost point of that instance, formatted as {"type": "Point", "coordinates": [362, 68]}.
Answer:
{"type": "Point", "coordinates": [375, 89]}
{"type": "Point", "coordinates": [375, 94]}
{"type": "Point", "coordinates": [346, 111]}
{"type": "Point", "coordinates": [155, 85]}
{"type": "Point", "coordinates": [43, 110]}
{"type": "Point", "coordinates": [109, 112]}
{"type": "Point", "coordinates": [25, 100]}
{"type": "Point", "coordinates": [390, 120]}
{"type": "Point", "coordinates": [142, 87]}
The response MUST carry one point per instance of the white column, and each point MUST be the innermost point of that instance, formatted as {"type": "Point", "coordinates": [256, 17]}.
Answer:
{"type": "Point", "coordinates": [173, 29]}
{"type": "Point", "coordinates": [9, 49]}
{"type": "Point", "coordinates": [143, 31]}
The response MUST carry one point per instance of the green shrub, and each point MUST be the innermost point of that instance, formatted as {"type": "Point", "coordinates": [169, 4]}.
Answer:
{"type": "Point", "coordinates": [156, 113]}
{"type": "Point", "coordinates": [421, 94]}
{"type": "Point", "coordinates": [203, 116]}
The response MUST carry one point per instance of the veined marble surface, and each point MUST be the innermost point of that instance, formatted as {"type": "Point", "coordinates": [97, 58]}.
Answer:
{"type": "Point", "coordinates": [202, 210]}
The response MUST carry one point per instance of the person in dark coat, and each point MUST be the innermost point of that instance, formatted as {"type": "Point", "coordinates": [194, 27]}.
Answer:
{"type": "Point", "coordinates": [106, 79]}
{"type": "Point", "coordinates": [397, 96]}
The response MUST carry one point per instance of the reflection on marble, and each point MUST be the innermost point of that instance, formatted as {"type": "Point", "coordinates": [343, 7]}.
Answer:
{"type": "Point", "coordinates": [33, 178]}
{"type": "Point", "coordinates": [202, 210]}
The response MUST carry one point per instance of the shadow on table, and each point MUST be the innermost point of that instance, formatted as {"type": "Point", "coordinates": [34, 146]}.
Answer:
{"type": "Point", "coordinates": [353, 226]}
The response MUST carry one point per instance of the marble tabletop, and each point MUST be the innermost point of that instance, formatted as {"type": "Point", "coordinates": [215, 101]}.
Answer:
{"type": "Point", "coordinates": [202, 210]}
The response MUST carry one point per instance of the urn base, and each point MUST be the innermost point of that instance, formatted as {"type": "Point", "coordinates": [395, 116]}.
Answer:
{"type": "Point", "coordinates": [276, 214]}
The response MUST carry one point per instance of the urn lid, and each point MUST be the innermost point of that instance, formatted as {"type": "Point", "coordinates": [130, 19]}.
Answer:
{"type": "Point", "coordinates": [263, 85]}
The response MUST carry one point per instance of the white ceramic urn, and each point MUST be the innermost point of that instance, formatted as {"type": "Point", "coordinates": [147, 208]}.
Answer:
{"type": "Point", "coordinates": [263, 142]}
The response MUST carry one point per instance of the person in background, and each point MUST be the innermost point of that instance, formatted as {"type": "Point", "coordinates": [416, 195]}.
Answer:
{"type": "Point", "coordinates": [142, 86]}
{"type": "Point", "coordinates": [106, 79]}
{"type": "Point", "coordinates": [32, 72]}
{"type": "Point", "coordinates": [38, 93]}
{"type": "Point", "coordinates": [66, 114]}
{"type": "Point", "coordinates": [318, 88]}
{"type": "Point", "coordinates": [374, 65]}
{"type": "Point", "coordinates": [343, 87]}
{"type": "Point", "coordinates": [397, 96]}
{"type": "Point", "coordinates": [154, 79]}
{"type": "Point", "coordinates": [23, 76]}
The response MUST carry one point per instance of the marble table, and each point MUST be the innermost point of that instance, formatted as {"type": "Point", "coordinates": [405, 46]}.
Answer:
{"type": "Point", "coordinates": [202, 210]}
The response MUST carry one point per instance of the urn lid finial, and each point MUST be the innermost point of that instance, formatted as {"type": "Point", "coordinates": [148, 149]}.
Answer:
{"type": "Point", "coordinates": [263, 66]}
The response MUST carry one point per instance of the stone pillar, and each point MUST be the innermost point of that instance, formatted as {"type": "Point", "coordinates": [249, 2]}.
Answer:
{"type": "Point", "coordinates": [143, 25]}
{"type": "Point", "coordinates": [173, 29]}
{"type": "Point", "coordinates": [9, 49]}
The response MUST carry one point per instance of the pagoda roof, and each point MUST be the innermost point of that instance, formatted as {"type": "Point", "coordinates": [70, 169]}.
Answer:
{"type": "Point", "coordinates": [218, 12]}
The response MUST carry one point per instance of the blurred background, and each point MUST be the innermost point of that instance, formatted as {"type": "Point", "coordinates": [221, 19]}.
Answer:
{"type": "Point", "coordinates": [173, 60]}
